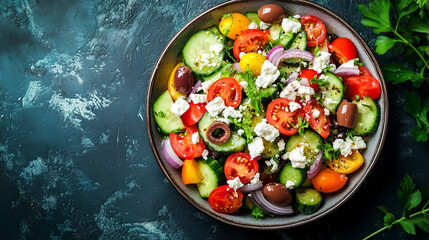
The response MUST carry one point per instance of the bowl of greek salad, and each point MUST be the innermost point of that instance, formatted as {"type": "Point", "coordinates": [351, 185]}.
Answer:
{"type": "Point", "coordinates": [267, 115]}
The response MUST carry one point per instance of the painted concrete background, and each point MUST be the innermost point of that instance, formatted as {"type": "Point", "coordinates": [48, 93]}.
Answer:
{"type": "Point", "coordinates": [75, 162]}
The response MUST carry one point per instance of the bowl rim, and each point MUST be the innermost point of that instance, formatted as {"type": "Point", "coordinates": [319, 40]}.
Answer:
{"type": "Point", "coordinates": [346, 197]}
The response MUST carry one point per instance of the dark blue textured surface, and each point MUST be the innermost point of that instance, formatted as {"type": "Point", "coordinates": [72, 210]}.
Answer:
{"type": "Point", "coordinates": [74, 157]}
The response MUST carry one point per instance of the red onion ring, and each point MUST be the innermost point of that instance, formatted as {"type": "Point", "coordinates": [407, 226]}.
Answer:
{"type": "Point", "coordinates": [316, 166]}
{"type": "Point", "coordinates": [248, 187]}
{"type": "Point", "coordinates": [237, 67]}
{"type": "Point", "coordinates": [169, 154]}
{"type": "Point", "coordinates": [194, 90]}
{"type": "Point", "coordinates": [274, 51]}
{"type": "Point", "coordinates": [342, 71]}
{"type": "Point", "coordinates": [292, 53]}
{"type": "Point", "coordinates": [293, 76]}
{"type": "Point", "coordinates": [259, 198]}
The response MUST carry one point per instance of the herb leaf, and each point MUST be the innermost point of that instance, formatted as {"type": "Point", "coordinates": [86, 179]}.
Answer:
{"type": "Point", "coordinates": [398, 73]}
{"type": "Point", "coordinates": [377, 16]}
{"type": "Point", "coordinates": [418, 108]}
{"type": "Point", "coordinates": [383, 44]}
{"type": "Point", "coordinates": [329, 151]}
{"type": "Point", "coordinates": [408, 226]}
{"type": "Point", "coordinates": [389, 218]}
{"type": "Point", "coordinates": [257, 213]}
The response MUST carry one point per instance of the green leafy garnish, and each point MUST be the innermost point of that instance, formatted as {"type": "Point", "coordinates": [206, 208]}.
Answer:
{"type": "Point", "coordinates": [418, 108]}
{"type": "Point", "coordinates": [329, 152]}
{"type": "Point", "coordinates": [257, 213]}
{"type": "Point", "coordinates": [302, 125]}
{"type": "Point", "coordinates": [253, 92]}
{"type": "Point", "coordinates": [245, 124]}
{"type": "Point", "coordinates": [321, 82]}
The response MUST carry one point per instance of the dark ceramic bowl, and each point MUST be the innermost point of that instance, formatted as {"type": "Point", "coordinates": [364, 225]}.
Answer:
{"type": "Point", "coordinates": [171, 56]}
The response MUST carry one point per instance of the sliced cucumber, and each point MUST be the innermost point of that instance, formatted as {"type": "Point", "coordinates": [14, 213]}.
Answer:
{"type": "Point", "coordinates": [286, 69]}
{"type": "Point", "coordinates": [310, 139]}
{"type": "Point", "coordinates": [215, 30]}
{"type": "Point", "coordinates": [332, 93]}
{"type": "Point", "coordinates": [235, 142]}
{"type": "Point", "coordinates": [300, 40]}
{"type": "Point", "coordinates": [211, 172]}
{"type": "Point", "coordinates": [271, 149]}
{"type": "Point", "coordinates": [198, 56]}
{"type": "Point", "coordinates": [166, 120]}
{"type": "Point", "coordinates": [368, 116]}
{"type": "Point", "coordinates": [253, 17]}
{"type": "Point", "coordinates": [308, 200]}
{"type": "Point", "coordinates": [296, 175]}
{"type": "Point", "coordinates": [221, 73]}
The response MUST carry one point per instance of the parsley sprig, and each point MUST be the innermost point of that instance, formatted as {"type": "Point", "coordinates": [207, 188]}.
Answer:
{"type": "Point", "coordinates": [418, 108]}
{"type": "Point", "coordinates": [329, 152]}
{"type": "Point", "coordinates": [410, 198]}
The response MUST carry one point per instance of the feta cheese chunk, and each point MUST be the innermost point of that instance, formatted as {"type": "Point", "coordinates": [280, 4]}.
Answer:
{"type": "Point", "coordinates": [297, 158]}
{"type": "Point", "coordinates": [327, 112]}
{"type": "Point", "coordinates": [216, 48]}
{"type": "Point", "coordinates": [345, 147]}
{"type": "Point", "coordinates": [267, 131]}
{"type": "Point", "coordinates": [358, 143]}
{"type": "Point", "coordinates": [321, 61]}
{"type": "Point", "coordinates": [290, 91]}
{"type": "Point", "coordinates": [281, 144]}
{"type": "Point", "coordinates": [349, 64]}
{"type": "Point", "coordinates": [269, 74]}
{"type": "Point", "coordinates": [293, 106]}
{"type": "Point", "coordinates": [206, 85]}
{"type": "Point", "coordinates": [255, 179]}
{"type": "Point", "coordinates": [198, 98]}
{"type": "Point", "coordinates": [241, 55]}
{"type": "Point", "coordinates": [253, 25]}
{"type": "Point", "coordinates": [272, 164]}
{"type": "Point", "coordinates": [316, 113]}
{"type": "Point", "coordinates": [290, 184]}
{"type": "Point", "coordinates": [215, 107]}
{"type": "Point", "coordinates": [179, 107]}
{"type": "Point", "coordinates": [235, 183]}
{"type": "Point", "coordinates": [240, 132]}
{"type": "Point", "coordinates": [256, 147]}
{"type": "Point", "coordinates": [205, 154]}
{"type": "Point", "coordinates": [244, 84]}
{"type": "Point", "coordinates": [264, 25]}
{"type": "Point", "coordinates": [290, 26]}
{"type": "Point", "coordinates": [231, 112]}
{"type": "Point", "coordinates": [204, 60]}
{"type": "Point", "coordinates": [329, 101]}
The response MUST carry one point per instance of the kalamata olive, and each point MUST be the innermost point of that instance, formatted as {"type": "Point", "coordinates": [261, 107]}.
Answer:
{"type": "Point", "coordinates": [218, 133]}
{"type": "Point", "coordinates": [277, 193]}
{"type": "Point", "coordinates": [347, 114]}
{"type": "Point", "coordinates": [184, 79]}
{"type": "Point", "coordinates": [271, 13]}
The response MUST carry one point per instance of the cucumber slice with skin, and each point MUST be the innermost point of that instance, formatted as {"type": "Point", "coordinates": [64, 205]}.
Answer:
{"type": "Point", "coordinates": [300, 41]}
{"type": "Point", "coordinates": [332, 93]}
{"type": "Point", "coordinates": [271, 149]}
{"type": "Point", "coordinates": [215, 30]}
{"type": "Point", "coordinates": [253, 17]}
{"type": "Point", "coordinates": [166, 120]}
{"type": "Point", "coordinates": [235, 142]}
{"type": "Point", "coordinates": [221, 73]}
{"type": "Point", "coordinates": [296, 175]}
{"type": "Point", "coordinates": [198, 56]}
{"type": "Point", "coordinates": [308, 200]}
{"type": "Point", "coordinates": [211, 172]}
{"type": "Point", "coordinates": [310, 139]}
{"type": "Point", "coordinates": [368, 116]}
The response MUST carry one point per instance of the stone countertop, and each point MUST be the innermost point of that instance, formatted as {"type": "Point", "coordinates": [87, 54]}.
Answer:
{"type": "Point", "coordinates": [75, 162]}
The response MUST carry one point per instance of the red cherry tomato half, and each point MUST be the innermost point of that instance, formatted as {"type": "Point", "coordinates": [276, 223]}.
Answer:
{"type": "Point", "coordinates": [364, 71]}
{"type": "Point", "coordinates": [240, 165]}
{"type": "Point", "coordinates": [194, 113]}
{"type": "Point", "coordinates": [343, 50]}
{"type": "Point", "coordinates": [315, 30]}
{"type": "Point", "coordinates": [228, 89]}
{"type": "Point", "coordinates": [364, 85]}
{"type": "Point", "coordinates": [250, 40]}
{"type": "Point", "coordinates": [280, 116]}
{"type": "Point", "coordinates": [321, 123]}
{"type": "Point", "coordinates": [223, 199]}
{"type": "Point", "coordinates": [183, 146]}
{"type": "Point", "coordinates": [309, 74]}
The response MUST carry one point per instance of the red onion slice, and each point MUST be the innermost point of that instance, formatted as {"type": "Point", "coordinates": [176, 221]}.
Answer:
{"type": "Point", "coordinates": [248, 187]}
{"type": "Point", "coordinates": [170, 155]}
{"type": "Point", "coordinates": [237, 67]}
{"type": "Point", "coordinates": [194, 90]}
{"type": "Point", "coordinates": [292, 53]}
{"type": "Point", "coordinates": [273, 52]}
{"type": "Point", "coordinates": [342, 71]}
{"type": "Point", "coordinates": [259, 198]}
{"type": "Point", "coordinates": [305, 82]}
{"type": "Point", "coordinates": [293, 76]}
{"type": "Point", "coordinates": [316, 166]}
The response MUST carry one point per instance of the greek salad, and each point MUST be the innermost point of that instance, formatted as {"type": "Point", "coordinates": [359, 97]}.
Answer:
{"type": "Point", "coordinates": [267, 111]}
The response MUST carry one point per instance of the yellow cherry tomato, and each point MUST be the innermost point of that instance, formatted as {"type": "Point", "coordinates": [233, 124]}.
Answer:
{"type": "Point", "coordinates": [190, 172]}
{"type": "Point", "coordinates": [171, 87]}
{"type": "Point", "coordinates": [235, 23]}
{"type": "Point", "coordinates": [254, 61]}
{"type": "Point", "coordinates": [347, 164]}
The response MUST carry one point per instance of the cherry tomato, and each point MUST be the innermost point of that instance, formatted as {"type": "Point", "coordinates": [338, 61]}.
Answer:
{"type": "Point", "coordinates": [309, 74]}
{"type": "Point", "coordinates": [343, 50]}
{"type": "Point", "coordinates": [175, 94]}
{"type": "Point", "coordinates": [364, 85]}
{"type": "Point", "coordinates": [347, 164]}
{"type": "Point", "coordinates": [183, 146]}
{"type": "Point", "coordinates": [228, 89]}
{"type": "Point", "coordinates": [315, 30]}
{"type": "Point", "coordinates": [239, 165]}
{"type": "Point", "coordinates": [224, 199]}
{"type": "Point", "coordinates": [190, 172]}
{"type": "Point", "coordinates": [321, 123]}
{"type": "Point", "coordinates": [234, 25]}
{"type": "Point", "coordinates": [328, 181]}
{"type": "Point", "coordinates": [250, 40]}
{"type": "Point", "coordinates": [194, 113]}
{"type": "Point", "coordinates": [254, 62]}
{"type": "Point", "coordinates": [364, 71]}
{"type": "Point", "coordinates": [280, 116]}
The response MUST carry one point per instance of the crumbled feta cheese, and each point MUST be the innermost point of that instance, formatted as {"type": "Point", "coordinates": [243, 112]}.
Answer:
{"type": "Point", "coordinates": [244, 84]}
{"type": "Point", "coordinates": [264, 25]}
{"type": "Point", "coordinates": [305, 91]}
{"type": "Point", "coordinates": [316, 113]}
{"type": "Point", "coordinates": [204, 60]}
{"type": "Point", "coordinates": [333, 67]}
{"type": "Point", "coordinates": [195, 138]}
{"type": "Point", "coordinates": [253, 25]}
{"type": "Point", "coordinates": [198, 98]}
{"type": "Point", "coordinates": [327, 112]}
{"type": "Point", "coordinates": [267, 131]}
{"type": "Point", "coordinates": [255, 179]}
{"type": "Point", "coordinates": [321, 61]}
{"type": "Point", "coordinates": [290, 26]}
{"type": "Point", "coordinates": [269, 74]}
{"type": "Point", "coordinates": [222, 119]}
{"type": "Point", "coordinates": [296, 16]}
{"type": "Point", "coordinates": [256, 147]}
{"type": "Point", "coordinates": [179, 107]}
{"type": "Point", "coordinates": [235, 183]}
{"type": "Point", "coordinates": [293, 106]}
{"type": "Point", "coordinates": [297, 158]}
{"type": "Point", "coordinates": [240, 132]}
{"type": "Point", "coordinates": [344, 146]}
{"type": "Point", "coordinates": [241, 55]}
{"type": "Point", "coordinates": [268, 163]}
{"type": "Point", "coordinates": [329, 101]}
{"type": "Point", "coordinates": [215, 107]}
{"type": "Point", "coordinates": [206, 85]}
{"type": "Point", "coordinates": [290, 184]}
{"type": "Point", "coordinates": [290, 91]}
{"type": "Point", "coordinates": [216, 48]}
{"type": "Point", "coordinates": [263, 53]}
{"type": "Point", "coordinates": [231, 112]}
{"type": "Point", "coordinates": [358, 143]}
{"type": "Point", "coordinates": [349, 64]}
{"type": "Point", "coordinates": [274, 165]}
{"type": "Point", "coordinates": [205, 154]}
{"type": "Point", "coordinates": [281, 144]}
